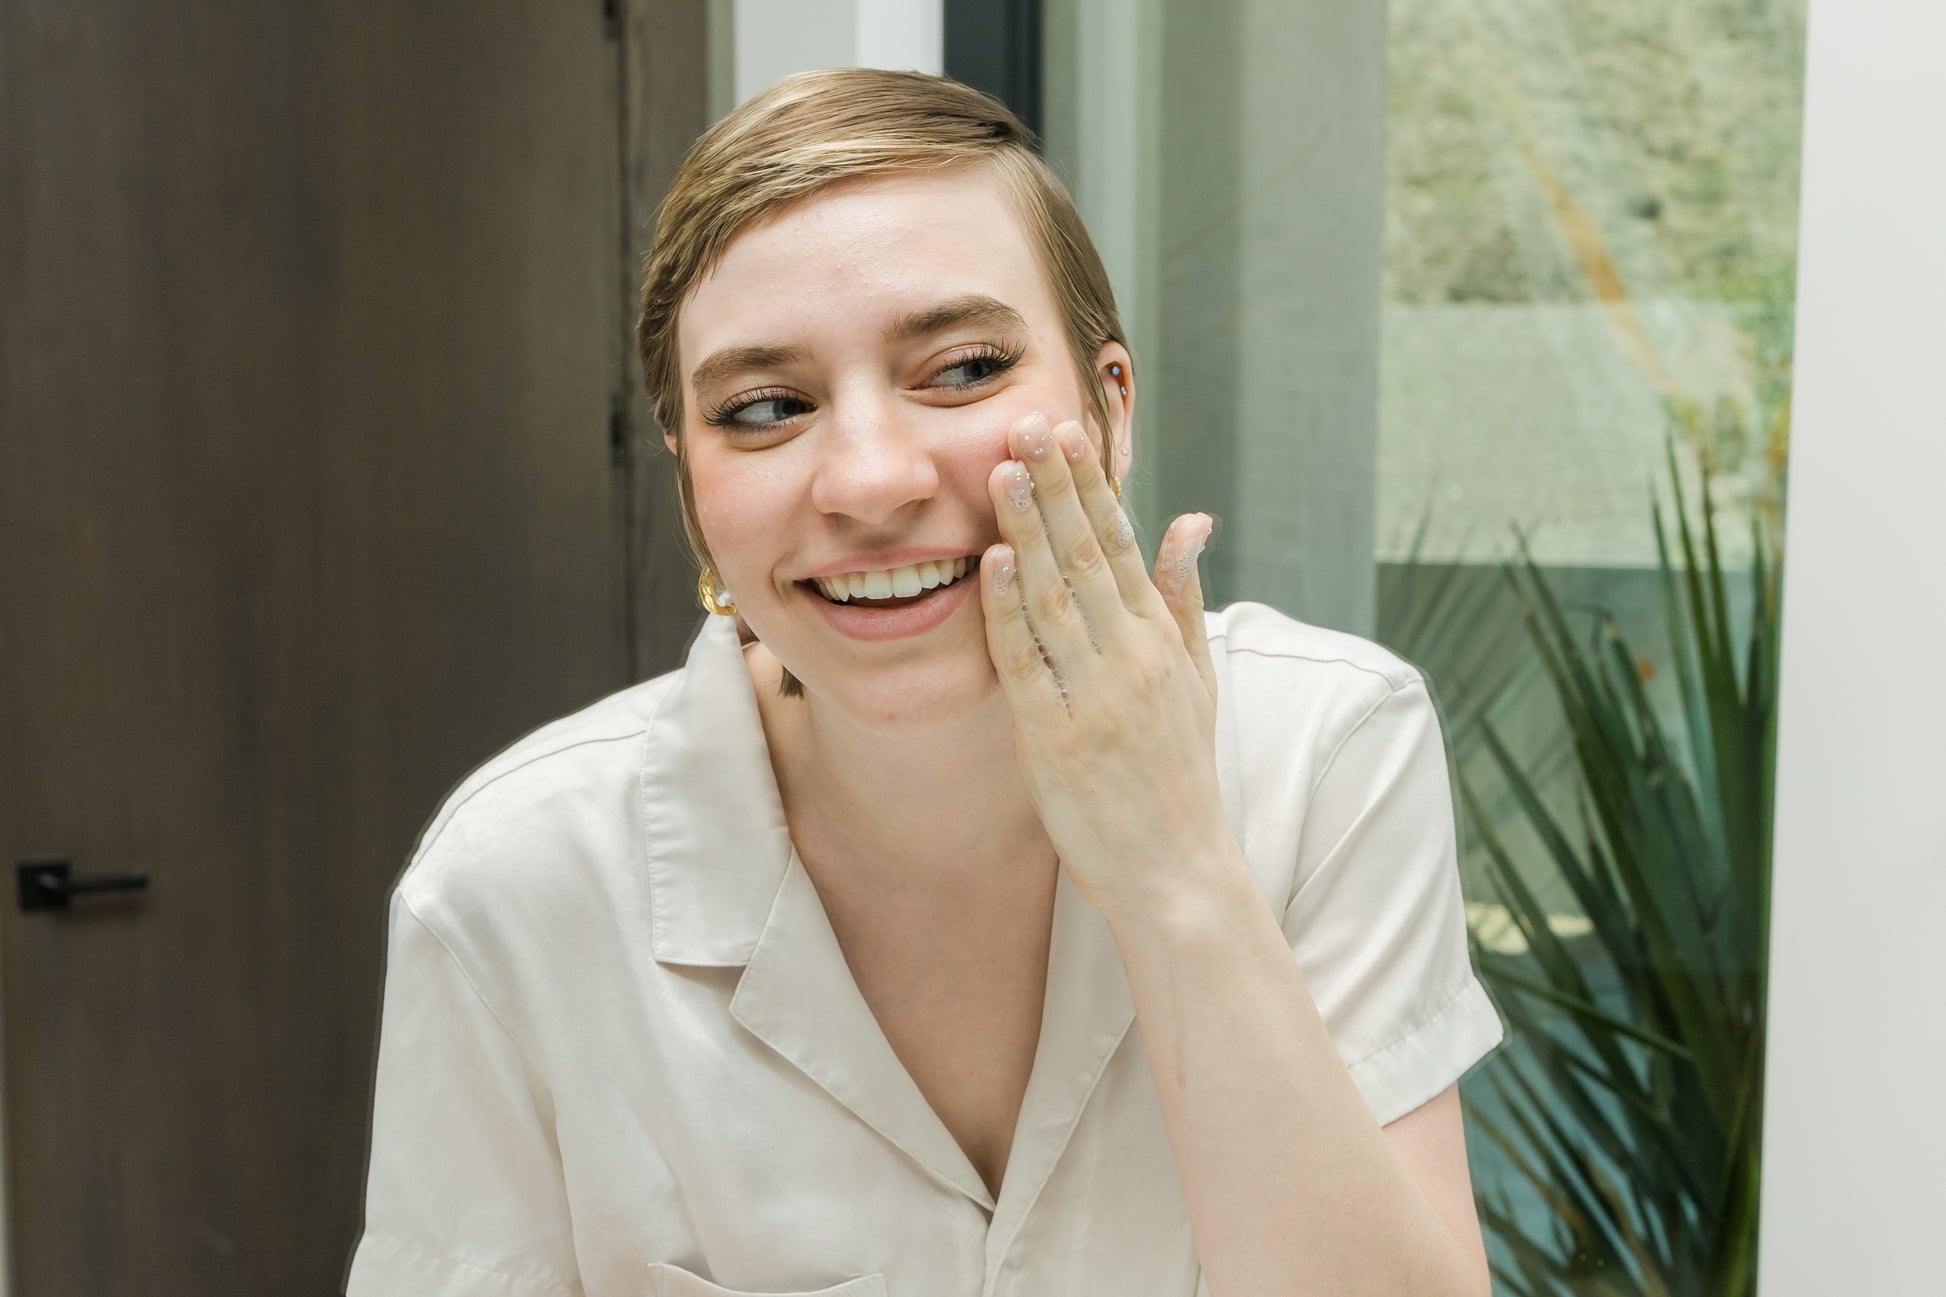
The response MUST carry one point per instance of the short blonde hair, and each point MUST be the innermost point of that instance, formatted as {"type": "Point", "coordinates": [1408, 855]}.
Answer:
{"type": "Point", "coordinates": [815, 129]}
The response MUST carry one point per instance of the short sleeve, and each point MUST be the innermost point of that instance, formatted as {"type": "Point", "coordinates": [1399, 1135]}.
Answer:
{"type": "Point", "coordinates": [1376, 920]}
{"type": "Point", "coordinates": [464, 1194]}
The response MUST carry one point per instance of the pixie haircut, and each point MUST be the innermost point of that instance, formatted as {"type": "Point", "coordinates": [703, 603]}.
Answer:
{"type": "Point", "coordinates": [813, 130]}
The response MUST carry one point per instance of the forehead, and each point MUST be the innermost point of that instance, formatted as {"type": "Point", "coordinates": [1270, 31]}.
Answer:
{"type": "Point", "coordinates": [861, 253]}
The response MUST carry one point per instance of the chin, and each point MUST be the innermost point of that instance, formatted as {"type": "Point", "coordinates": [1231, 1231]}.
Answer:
{"type": "Point", "coordinates": [940, 687]}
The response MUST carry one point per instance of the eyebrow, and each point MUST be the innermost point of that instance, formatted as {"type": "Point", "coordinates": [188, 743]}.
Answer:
{"type": "Point", "coordinates": [976, 309]}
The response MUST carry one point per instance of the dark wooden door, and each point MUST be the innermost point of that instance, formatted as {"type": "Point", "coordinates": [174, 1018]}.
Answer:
{"type": "Point", "coordinates": [312, 324]}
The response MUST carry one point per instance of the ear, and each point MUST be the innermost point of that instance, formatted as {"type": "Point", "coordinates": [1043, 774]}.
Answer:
{"type": "Point", "coordinates": [669, 440]}
{"type": "Point", "coordinates": [1115, 371]}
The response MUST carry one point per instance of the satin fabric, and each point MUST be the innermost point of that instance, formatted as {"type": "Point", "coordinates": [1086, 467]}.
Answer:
{"type": "Point", "coordinates": [621, 1052]}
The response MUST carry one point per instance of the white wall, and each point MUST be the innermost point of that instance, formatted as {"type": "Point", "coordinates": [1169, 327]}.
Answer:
{"type": "Point", "coordinates": [1854, 1125]}
{"type": "Point", "coordinates": [774, 38]}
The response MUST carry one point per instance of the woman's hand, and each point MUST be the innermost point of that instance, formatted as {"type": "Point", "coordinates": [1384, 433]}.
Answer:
{"type": "Point", "coordinates": [1107, 672]}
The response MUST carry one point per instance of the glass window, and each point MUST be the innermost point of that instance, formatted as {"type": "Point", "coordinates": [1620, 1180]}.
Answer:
{"type": "Point", "coordinates": [1418, 296]}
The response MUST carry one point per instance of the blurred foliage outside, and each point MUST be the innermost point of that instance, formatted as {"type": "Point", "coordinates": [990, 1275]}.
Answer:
{"type": "Point", "coordinates": [1572, 151]}
{"type": "Point", "coordinates": [1629, 1101]}
{"type": "Point", "coordinates": [1640, 161]}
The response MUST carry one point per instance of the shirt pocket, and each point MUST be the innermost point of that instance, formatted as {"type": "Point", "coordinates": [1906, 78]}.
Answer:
{"type": "Point", "coordinates": [667, 1280]}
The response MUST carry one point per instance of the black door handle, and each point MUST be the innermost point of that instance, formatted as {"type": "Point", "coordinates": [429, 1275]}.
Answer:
{"type": "Point", "coordinates": [47, 884]}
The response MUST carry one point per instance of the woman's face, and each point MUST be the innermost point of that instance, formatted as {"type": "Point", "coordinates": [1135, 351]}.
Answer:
{"type": "Point", "coordinates": [851, 371]}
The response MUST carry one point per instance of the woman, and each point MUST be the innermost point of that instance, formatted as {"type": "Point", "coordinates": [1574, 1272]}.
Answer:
{"type": "Point", "coordinates": [992, 920]}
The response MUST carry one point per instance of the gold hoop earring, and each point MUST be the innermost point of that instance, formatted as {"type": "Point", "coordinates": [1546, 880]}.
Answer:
{"type": "Point", "coordinates": [714, 598]}
{"type": "Point", "coordinates": [1115, 485]}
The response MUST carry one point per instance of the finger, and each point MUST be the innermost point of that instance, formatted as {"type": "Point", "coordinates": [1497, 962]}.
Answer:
{"type": "Point", "coordinates": [1181, 584]}
{"type": "Point", "coordinates": [1070, 533]}
{"type": "Point", "coordinates": [1114, 533]}
{"type": "Point", "coordinates": [1066, 635]}
{"type": "Point", "coordinates": [1030, 685]}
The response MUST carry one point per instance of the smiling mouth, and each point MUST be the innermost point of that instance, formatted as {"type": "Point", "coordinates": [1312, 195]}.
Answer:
{"type": "Point", "coordinates": [896, 600]}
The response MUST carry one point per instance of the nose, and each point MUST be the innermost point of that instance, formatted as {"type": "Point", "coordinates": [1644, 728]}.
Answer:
{"type": "Point", "coordinates": [874, 463]}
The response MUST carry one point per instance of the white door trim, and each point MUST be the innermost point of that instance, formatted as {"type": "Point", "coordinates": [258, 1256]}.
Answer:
{"type": "Point", "coordinates": [1854, 1127]}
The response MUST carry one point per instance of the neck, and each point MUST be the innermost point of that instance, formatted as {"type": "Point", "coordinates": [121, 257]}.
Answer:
{"type": "Point", "coordinates": [933, 807]}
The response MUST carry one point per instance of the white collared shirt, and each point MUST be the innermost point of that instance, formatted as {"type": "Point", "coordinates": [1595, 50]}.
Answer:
{"type": "Point", "coordinates": [622, 1054]}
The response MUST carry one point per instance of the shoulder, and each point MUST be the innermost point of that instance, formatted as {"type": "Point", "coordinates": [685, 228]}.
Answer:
{"type": "Point", "coordinates": [555, 800]}
{"type": "Point", "coordinates": [1274, 659]}
{"type": "Point", "coordinates": [1290, 697]}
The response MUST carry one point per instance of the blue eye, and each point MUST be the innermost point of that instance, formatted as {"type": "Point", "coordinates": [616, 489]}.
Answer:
{"type": "Point", "coordinates": [982, 367]}
{"type": "Point", "coordinates": [782, 407]}
{"type": "Point", "coordinates": [989, 361]}
{"type": "Point", "coordinates": [756, 412]}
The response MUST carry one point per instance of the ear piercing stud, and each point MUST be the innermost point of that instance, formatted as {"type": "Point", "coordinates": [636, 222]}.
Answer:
{"type": "Point", "coordinates": [1116, 370]}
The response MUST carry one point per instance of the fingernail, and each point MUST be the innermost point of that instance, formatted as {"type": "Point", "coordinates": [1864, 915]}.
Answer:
{"type": "Point", "coordinates": [1036, 441]}
{"type": "Point", "coordinates": [1000, 562]}
{"type": "Point", "coordinates": [1186, 557]}
{"type": "Point", "coordinates": [1020, 486]}
{"type": "Point", "coordinates": [1074, 442]}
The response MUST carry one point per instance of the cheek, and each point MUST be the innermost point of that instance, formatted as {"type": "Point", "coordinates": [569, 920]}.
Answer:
{"type": "Point", "coordinates": [968, 465]}
{"type": "Point", "coordinates": [739, 506]}
{"type": "Point", "coordinates": [986, 439]}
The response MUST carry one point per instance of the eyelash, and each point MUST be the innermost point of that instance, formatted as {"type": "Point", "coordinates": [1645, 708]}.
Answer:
{"type": "Point", "coordinates": [724, 416]}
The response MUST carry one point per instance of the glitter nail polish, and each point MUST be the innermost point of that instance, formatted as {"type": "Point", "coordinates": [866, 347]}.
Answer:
{"type": "Point", "coordinates": [1020, 487]}
{"type": "Point", "coordinates": [1074, 443]}
{"type": "Point", "coordinates": [1186, 559]}
{"type": "Point", "coordinates": [1003, 571]}
{"type": "Point", "coordinates": [1037, 441]}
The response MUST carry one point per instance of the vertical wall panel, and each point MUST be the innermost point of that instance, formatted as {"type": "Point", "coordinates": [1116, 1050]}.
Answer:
{"type": "Point", "coordinates": [1854, 1130]}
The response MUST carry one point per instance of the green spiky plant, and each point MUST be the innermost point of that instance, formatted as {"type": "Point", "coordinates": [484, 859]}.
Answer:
{"type": "Point", "coordinates": [1634, 1113]}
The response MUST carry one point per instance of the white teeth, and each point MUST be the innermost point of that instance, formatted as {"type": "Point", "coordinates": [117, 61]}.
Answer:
{"type": "Point", "coordinates": [898, 582]}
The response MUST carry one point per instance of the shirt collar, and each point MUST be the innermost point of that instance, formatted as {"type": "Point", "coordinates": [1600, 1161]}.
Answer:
{"type": "Point", "coordinates": [717, 842]}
